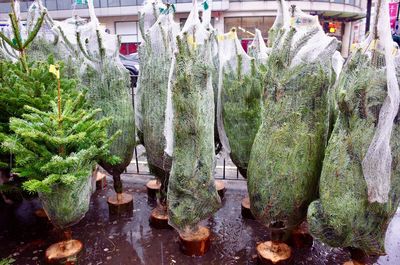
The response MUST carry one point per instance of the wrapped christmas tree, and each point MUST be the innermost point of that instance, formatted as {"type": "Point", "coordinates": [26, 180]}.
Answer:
{"type": "Point", "coordinates": [192, 195]}
{"type": "Point", "coordinates": [360, 179]}
{"type": "Point", "coordinates": [241, 98]}
{"type": "Point", "coordinates": [258, 49]}
{"type": "Point", "coordinates": [156, 54]}
{"type": "Point", "coordinates": [287, 152]}
{"type": "Point", "coordinates": [149, 18]}
{"type": "Point", "coordinates": [109, 89]}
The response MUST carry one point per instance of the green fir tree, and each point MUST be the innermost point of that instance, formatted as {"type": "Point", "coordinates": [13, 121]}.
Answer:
{"type": "Point", "coordinates": [56, 150]}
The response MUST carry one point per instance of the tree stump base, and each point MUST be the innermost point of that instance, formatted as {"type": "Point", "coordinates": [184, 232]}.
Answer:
{"type": "Point", "coordinates": [300, 237]}
{"type": "Point", "coordinates": [220, 186]}
{"type": "Point", "coordinates": [197, 243]}
{"type": "Point", "coordinates": [101, 181]}
{"type": "Point", "coordinates": [246, 212]}
{"type": "Point", "coordinates": [64, 252]}
{"type": "Point", "coordinates": [159, 218]}
{"type": "Point", "coordinates": [153, 186]}
{"type": "Point", "coordinates": [120, 204]}
{"type": "Point", "coordinates": [273, 252]}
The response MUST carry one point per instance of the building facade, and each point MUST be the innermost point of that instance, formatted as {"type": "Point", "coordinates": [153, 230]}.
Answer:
{"type": "Point", "coordinates": [341, 18]}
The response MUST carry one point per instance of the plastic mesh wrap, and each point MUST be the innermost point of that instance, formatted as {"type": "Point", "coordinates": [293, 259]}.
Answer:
{"type": "Point", "coordinates": [109, 86]}
{"type": "Point", "coordinates": [156, 54]}
{"type": "Point", "coordinates": [287, 153]}
{"type": "Point", "coordinates": [192, 195]}
{"type": "Point", "coordinates": [206, 8]}
{"type": "Point", "coordinates": [258, 49]}
{"type": "Point", "coordinates": [356, 203]}
{"type": "Point", "coordinates": [240, 94]}
{"type": "Point", "coordinates": [148, 16]}
{"type": "Point", "coordinates": [67, 205]}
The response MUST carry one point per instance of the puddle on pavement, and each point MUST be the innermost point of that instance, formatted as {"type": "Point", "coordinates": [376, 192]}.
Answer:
{"type": "Point", "coordinates": [130, 239]}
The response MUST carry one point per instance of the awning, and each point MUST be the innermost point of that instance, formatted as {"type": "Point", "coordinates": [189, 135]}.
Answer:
{"type": "Point", "coordinates": [342, 16]}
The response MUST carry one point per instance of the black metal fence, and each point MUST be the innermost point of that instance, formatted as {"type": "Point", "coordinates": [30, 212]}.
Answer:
{"type": "Point", "coordinates": [225, 169]}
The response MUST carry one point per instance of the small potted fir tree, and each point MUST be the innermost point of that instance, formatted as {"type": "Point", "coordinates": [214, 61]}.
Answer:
{"type": "Point", "coordinates": [55, 151]}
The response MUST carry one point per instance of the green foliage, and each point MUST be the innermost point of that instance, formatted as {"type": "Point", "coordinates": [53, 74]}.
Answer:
{"type": "Point", "coordinates": [154, 73]}
{"type": "Point", "coordinates": [287, 153]}
{"type": "Point", "coordinates": [53, 148]}
{"type": "Point", "coordinates": [17, 89]}
{"type": "Point", "coordinates": [343, 217]}
{"type": "Point", "coordinates": [66, 205]}
{"type": "Point", "coordinates": [7, 261]}
{"type": "Point", "coordinates": [17, 42]}
{"type": "Point", "coordinates": [241, 110]}
{"type": "Point", "coordinates": [109, 90]}
{"type": "Point", "coordinates": [192, 196]}
{"type": "Point", "coordinates": [109, 84]}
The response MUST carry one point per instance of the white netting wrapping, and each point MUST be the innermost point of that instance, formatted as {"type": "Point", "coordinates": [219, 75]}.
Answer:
{"type": "Point", "coordinates": [337, 63]}
{"type": "Point", "coordinates": [192, 196]}
{"type": "Point", "coordinates": [291, 139]}
{"type": "Point", "coordinates": [156, 53]}
{"type": "Point", "coordinates": [258, 49]}
{"type": "Point", "coordinates": [5, 49]}
{"type": "Point", "coordinates": [377, 162]}
{"type": "Point", "coordinates": [360, 178]}
{"type": "Point", "coordinates": [282, 20]}
{"type": "Point", "coordinates": [239, 100]}
{"type": "Point", "coordinates": [195, 34]}
{"type": "Point", "coordinates": [149, 13]}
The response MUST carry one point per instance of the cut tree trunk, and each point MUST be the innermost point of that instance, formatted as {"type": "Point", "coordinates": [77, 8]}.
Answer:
{"type": "Point", "coordinates": [64, 252]}
{"type": "Point", "coordinates": [220, 186]}
{"type": "Point", "coordinates": [153, 187]}
{"type": "Point", "coordinates": [196, 243]}
{"type": "Point", "coordinates": [120, 203]}
{"type": "Point", "coordinates": [272, 252]}
{"type": "Point", "coordinates": [159, 218]}
{"type": "Point", "coordinates": [246, 212]}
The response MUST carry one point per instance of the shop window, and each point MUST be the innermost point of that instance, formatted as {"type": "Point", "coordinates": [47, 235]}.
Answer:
{"type": "Point", "coordinates": [249, 24]}
{"type": "Point", "coordinates": [129, 34]}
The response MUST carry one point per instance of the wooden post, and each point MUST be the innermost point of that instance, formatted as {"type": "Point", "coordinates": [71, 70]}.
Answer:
{"type": "Point", "coordinates": [246, 212]}
{"type": "Point", "coordinates": [64, 252]}
{"type": "Point", "coordinates": [195, 243]}
{"type": "Point", "coordinates": [272, 252]}
{"type": "Point", "coordinates": [153, 187]}
{"type": "Point", "coordinates": [159, 217]}
{"type": "Point", "coordinates": [120, 203]}
{"type": "Point", "coordinates": [220, 186]}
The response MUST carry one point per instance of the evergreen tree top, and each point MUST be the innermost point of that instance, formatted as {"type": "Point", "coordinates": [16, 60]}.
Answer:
{"type": "Point", "coordinates": [53, 147]}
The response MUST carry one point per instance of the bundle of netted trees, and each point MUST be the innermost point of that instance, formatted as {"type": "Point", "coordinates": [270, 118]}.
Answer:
{"type": "Point", "coordinates": [192, 195]}
{"type": "Point", "coordinates": [360, 180]}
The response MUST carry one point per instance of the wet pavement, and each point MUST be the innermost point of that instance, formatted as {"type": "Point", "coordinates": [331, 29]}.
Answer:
{"type": "Point", "coordinates": [130, 240]}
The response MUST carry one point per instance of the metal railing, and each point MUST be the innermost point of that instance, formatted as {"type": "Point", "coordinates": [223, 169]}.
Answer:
{"type": "Point", "coordinates": [225, 169]}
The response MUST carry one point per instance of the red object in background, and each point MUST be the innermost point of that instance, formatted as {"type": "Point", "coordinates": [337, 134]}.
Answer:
{"type": "Point", "coordinates": [128, 48]}
{"type": "Point", "coordinates": [332, 27]}
{"type": "Point", "coordinates": [246, 43]}
{"type": "Point", "coordinates": [393, 9]}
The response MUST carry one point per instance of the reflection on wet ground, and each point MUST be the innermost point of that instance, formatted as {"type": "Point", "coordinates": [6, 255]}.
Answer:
{"type": "Point", "coordinates": [130, 240]}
